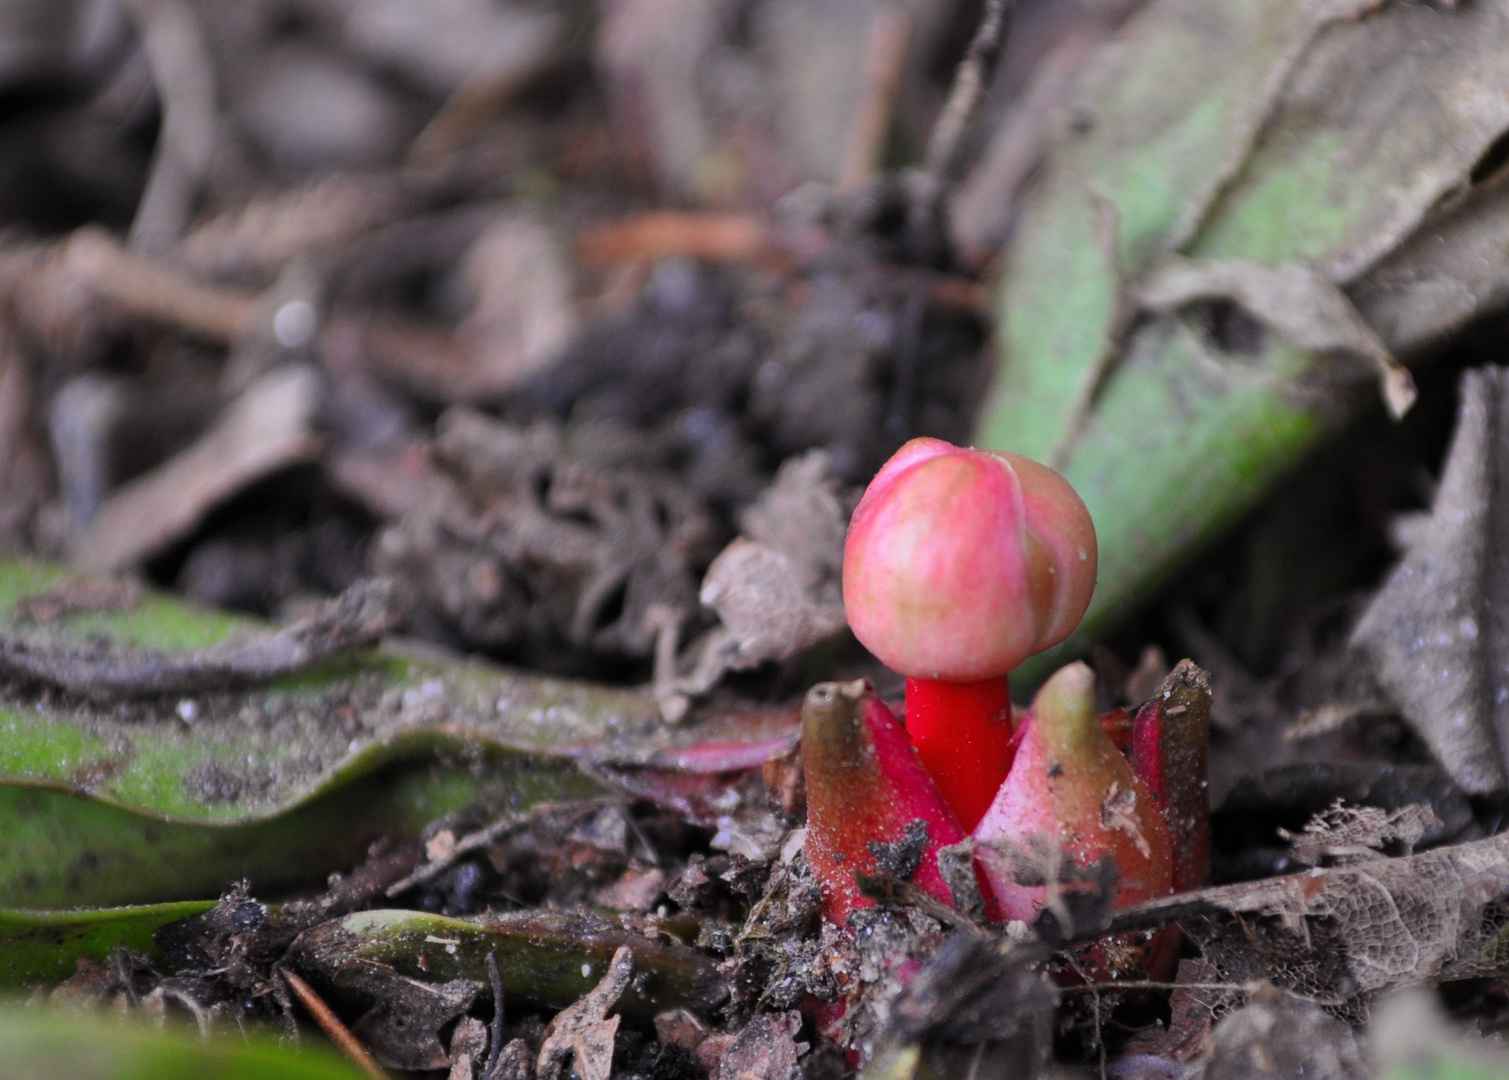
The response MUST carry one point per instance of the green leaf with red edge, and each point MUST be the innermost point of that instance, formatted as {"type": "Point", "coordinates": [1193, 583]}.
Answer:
{"type": "Point", "coordinates": [164, 799]}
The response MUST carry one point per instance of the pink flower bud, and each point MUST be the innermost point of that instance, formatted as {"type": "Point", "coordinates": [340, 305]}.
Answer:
{"type": "Point", "coordinates": [960, 564]}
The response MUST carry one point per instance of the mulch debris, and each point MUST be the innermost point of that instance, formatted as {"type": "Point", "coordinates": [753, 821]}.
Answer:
{"type": "Point", "coordinates": [565, 335]}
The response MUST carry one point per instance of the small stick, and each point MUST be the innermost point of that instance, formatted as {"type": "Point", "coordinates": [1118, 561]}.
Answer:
{"type": "Point", "coordinates": [970, 82]}
{"type": "Point", "coordinates": [467, 112]}
{"type": "Point", "coordinates": [141, 285]}
{"type": "Point", "coordinates": [885, 54]}
{"type": "Point", "coordinates": [1151, 984]}
{"type": "Point", "coordinates": [468, 843]}
{"type": "Point", "coordinates": [659, 234]}
{"type": "Point", "coordinates": [481, 839]}
{"type": "Point", "coordinates": [184, 74]}
{"type": "Point", "coordinates": [496, 979]}
{"type": "Point", "coordinates": [331, 1025]}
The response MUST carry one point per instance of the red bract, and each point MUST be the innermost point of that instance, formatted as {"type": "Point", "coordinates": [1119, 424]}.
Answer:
{"type": "Point", "coordinates": [1169, 745]}
{"type": "Point", "coordinates": [1072, 792]}
{"type": "Point", "coordinates": [864, 786]}
{"type": "Point", "coordinates": [959, 564]}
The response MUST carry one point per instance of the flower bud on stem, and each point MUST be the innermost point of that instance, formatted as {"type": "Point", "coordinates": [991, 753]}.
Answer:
{"type": "Point", "coordinates": [959, 564]}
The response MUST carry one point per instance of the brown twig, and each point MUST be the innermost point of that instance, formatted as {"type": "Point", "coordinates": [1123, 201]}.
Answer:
{"type": "Point", "coordinates": [662, 234]}
{"type": "Point", "coordinates": [981, 208]}
{"type": "Point", "coordinates": [185, 80]}
{"type": "Point", "coordinates": [140, 285]}
{"type": "Point", "coordinates": [331, 1025]}
{"type": "Point", "coordinates": [1152, 984]}
{"type": "Point", "coordinates": [482, 838]}
{"type": "Point", "coordinates": [970, 82]}
{"type": "Point", "coordinates": [885, 55]}
{"type": "Point", "coordinates": [468, 111]}
{"type": "Point", "coordinates": [429, 358]}
{"type": "Point", "coordinates": [464, 113]}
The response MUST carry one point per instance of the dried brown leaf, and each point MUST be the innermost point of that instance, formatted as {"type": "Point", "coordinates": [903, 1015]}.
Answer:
{"type": "Point", "coordinates": [1280, 1035]}
{"type": "Point", "coordinates": [1297, 303]}
{"type": "Point", "coordinates": [1437, 633]}
{"type": "Point", "coordinates": [583, 1033]}
{"type": "Point", "coordinates": [468, 1048]}
{"type": "Point", "coordinates": [802, 516]}
{"type": "Point", "coordinates": [1447, 274]}
{"type": "Point", "coordinates": [757, 592]}
{"type": "Point", "coordinates": [1351, 834]}
{"type": "Point", "coordinates": [766, 1049]}
{"type": "Point", "coordinates": [402, 1027]}
{"type": "Point", "coordinates": [776, 588]}
{"type": "Point", "coordinates": [1342, 935]}
{"type": "Point", "coordinates": [270, 427]}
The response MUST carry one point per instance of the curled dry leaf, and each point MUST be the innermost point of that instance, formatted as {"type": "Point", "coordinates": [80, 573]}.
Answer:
{"type": "Point", "coordinates": [582, 1033]}
{"type": "Point", "coordinates": [268, 428]}
{"type": "Point", "coordinates": [1437, 633]}
{"type": "Point", "coordinates": [775, 589]}
{"type": "Point", "coordinates": [1281, 1035]}
{"type": "Point", "coordinates": [757, 592]}
{"type": "Point", "coordinates": [1299, 304]}
{"type": "Point", "coordinates": [359, 616]}
{"type": "Point", "coordinates": [1340, 936]}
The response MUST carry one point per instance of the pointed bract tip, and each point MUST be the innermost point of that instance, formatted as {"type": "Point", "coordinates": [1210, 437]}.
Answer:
{"type": "Point", "coordinates": [1064, 707]}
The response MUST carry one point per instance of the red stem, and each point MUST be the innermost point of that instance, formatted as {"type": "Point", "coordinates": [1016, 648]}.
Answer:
{"type": "Point", "coordinates": [962, 733]}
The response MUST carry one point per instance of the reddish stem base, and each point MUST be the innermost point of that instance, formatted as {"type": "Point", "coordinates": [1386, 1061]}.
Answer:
{"type": "Point", "coordinates": [962, 734]}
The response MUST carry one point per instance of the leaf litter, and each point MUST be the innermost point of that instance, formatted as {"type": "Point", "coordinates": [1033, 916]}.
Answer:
{"type": "Point", "coordinates": [1434, 634]}
{"type": "Point", "coordinates": [567, 512]}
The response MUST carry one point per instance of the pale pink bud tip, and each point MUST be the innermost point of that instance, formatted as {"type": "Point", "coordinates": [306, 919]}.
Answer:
{"type": "Point", "coordinates": [960, 564]}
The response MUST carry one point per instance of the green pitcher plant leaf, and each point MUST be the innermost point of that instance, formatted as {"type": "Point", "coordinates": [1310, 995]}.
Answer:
{"type": "Point", "coordinates": [1286, 137]}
